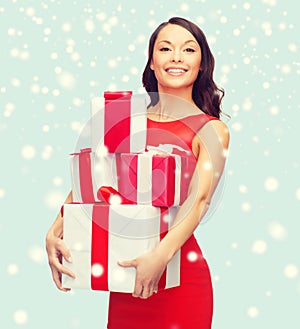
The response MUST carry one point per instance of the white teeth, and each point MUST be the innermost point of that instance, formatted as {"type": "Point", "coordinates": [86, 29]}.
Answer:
{"type": "Point", "coordinates": [176, 70]}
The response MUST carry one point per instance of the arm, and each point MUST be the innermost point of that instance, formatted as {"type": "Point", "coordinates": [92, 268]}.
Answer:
{"type": "Point", "coordinates": [56, 249]}
{"type": "Point", "coordinates": [210, 146]}
{"type": "Point", "coordinates": [213, 141]}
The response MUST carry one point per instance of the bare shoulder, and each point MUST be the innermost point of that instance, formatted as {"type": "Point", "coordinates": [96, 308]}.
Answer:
{"type": "Point", "coordinates": [221, 130]}
{"type": "Point", "coordinates": [217, 129]}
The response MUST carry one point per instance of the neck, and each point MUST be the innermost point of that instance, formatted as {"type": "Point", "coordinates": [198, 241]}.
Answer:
{"type": "Point", "coordinates": [173, 103]}
{"type": "Point", "coordinates": [183, 93]}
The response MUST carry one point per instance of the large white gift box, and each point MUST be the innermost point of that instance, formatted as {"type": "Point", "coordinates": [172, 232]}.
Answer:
{"type": "Point", "coordinates": [100, 235]}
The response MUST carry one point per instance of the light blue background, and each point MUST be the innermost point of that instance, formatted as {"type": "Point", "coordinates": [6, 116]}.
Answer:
{"type": "Point", "coordinates": [57, 55]}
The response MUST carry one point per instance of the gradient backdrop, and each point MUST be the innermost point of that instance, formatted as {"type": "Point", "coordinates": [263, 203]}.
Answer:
{"type": "Point", "coordinates": [56, 55]}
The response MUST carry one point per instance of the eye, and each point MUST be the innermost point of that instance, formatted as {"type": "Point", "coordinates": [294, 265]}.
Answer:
{"type": "Point", "coordinates": [190, 50]}
{"type": "Point", "coordinates": [164, 49]}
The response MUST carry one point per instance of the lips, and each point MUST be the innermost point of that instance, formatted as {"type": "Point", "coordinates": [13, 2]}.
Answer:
{"type": "Point", "coordinates": [175, 70]}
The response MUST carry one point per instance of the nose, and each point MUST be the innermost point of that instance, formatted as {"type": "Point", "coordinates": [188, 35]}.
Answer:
{"type": "Point", "coordinates": [177, 56]}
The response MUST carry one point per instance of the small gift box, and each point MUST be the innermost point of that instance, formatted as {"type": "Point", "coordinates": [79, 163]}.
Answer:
{"type": "Point", "coordinates": [100, 235]}
{"type": "Point", "coordinates": [89, 171]}
{"type": "Point", "coordinates": [121, 125]}
{"type": "Point", "coordinates": [150, 178]}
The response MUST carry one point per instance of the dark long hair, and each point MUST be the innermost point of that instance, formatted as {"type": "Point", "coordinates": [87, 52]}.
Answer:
{"type": "Point", "coordinates": [206, 94]}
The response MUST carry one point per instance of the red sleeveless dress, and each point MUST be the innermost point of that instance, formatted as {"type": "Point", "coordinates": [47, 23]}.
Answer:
{"type": "Point", "coordinates": [190, 305]}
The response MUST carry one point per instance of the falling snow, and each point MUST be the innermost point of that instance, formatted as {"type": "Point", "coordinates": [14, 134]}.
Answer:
{"type": "Point", "coordinates": [54, 199]}
{"type": "Point", "coordinates": [291, 271]}
{"type": "Point", "coordinates": [97, 270]}
{"type": "Point", "coordinates": [20, 317]}
{"type": "Point", "coordinates": [192, 256]}
{"type": "Point", "coordinates": [12, 269]}
{"type": "Point", "coordinates": [277, 231]}
{"type": "Point", "coordinates": [56, 58]}
{"type": "Point", "coordinates": [252, 312]}
{"type": "Point", "coordinates": [28, 152]}
{"type": "Point", "coordinates": [2, 193]}
{"type": "Point", "coordinates": [36, 254]}
{"type": "Point", "coordinates": [259, 247]}
{"type": "Point", "coordinates": [271, 184]}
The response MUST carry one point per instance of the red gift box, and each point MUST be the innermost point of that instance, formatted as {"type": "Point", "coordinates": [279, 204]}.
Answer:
{"type": "Point", "coordinates": [121, 126]}
{"type": "Point", "coordinates": [149, 178]}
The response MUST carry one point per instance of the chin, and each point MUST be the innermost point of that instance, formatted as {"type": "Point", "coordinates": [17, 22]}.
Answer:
{"type": "Point", "coordinates": [176, 86]}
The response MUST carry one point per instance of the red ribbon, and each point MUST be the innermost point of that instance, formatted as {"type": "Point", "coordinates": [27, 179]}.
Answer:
{"type": "Point", "coordinates": [105, 193]}
{"type": "Point", "coordinates": [117, 112]}
{"type": "Point", "coordinates": [99, 254]}
{"type": "Point", "coordinates": [113, 95]}
{"type": "Point", "coordinates": [85, 176]}
{"type": "Point", "coordinates": [100, 236]}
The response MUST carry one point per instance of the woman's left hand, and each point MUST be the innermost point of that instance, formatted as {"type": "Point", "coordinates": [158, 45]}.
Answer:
{"type": "Point", "coordinates": [149, 268]}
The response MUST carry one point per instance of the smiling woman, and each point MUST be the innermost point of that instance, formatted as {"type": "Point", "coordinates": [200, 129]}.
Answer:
{"type": "Point", "coordinates": [176, 61]}
{"type": "Point", "coordinates": [183, 115]}
{"type": "Point", "coordinates": [184, 112]}
{"type": "Point", "coordinates": [205, 93]}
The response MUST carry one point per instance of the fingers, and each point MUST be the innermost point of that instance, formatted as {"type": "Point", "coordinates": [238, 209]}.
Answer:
{"type": "Point", "coordinates": [147, 292]}
{"type": "Point", "coordinates": [57, 249]}
{"type": "Point", "coordinates": [138, 290]}
{"type": "Point", "coordinates": [144, 290]}
{"type": "Point", "coordinates": [57, 280]}
{"type": "Point", "coordinates": [57, 270]}
{"type": "Point", "coordinates": [54, 258]}
{"type": "Point", "coordinates": [128, 263]}
{"type": "Point", "coordinates": [64, 251]}
{"type": "Point", "coordinates": [60, 268]}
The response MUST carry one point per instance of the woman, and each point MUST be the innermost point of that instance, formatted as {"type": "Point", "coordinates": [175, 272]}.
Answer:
{"type": "Point", "coordinates": [184, 112]}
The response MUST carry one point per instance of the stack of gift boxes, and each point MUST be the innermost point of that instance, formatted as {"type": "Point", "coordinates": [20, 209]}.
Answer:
{"type": "Point", "coordinates": [125, 198]}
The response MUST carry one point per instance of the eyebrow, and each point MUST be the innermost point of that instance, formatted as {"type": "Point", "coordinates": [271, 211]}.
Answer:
{"type": "Point", "coordinates": [169, 42]}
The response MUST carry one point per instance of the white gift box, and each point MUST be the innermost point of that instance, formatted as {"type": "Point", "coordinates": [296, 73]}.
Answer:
{"type": "Point", "coordinates": [90, 171]}
{"type": "Point", "coordinates": [100, 235]}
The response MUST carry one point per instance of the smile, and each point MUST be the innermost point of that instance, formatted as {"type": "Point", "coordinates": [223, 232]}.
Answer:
{"type": "Point", "coordinates": [176, 70]}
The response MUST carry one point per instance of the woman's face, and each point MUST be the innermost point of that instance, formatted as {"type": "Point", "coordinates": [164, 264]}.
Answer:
{"type": "Point", "coordinates": [176, 59]}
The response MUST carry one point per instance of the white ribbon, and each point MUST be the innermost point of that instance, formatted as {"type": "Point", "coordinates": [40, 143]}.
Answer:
{"type": "Point", "coordinates": [135, 230]}
{"type": "Point", "coordinates": [144, 178]}
{"type": "Point", "coordinates": [165, 149]}
{"type": "Point", "coordinates": [104, 171]}
{"type": "Point", "coordinates": [74, 169]}
{"type": "Point", "coordinates": [77, 236]}
{"type": "Point", "coordinates": [177, 179]}
{"type": "Point", "coordinates": [97, 124]}
{"type": "Point", "coordinates": [138, 124]}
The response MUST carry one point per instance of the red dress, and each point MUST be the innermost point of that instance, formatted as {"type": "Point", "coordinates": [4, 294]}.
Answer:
{"type": "Point", "coordinates": [189, 306]}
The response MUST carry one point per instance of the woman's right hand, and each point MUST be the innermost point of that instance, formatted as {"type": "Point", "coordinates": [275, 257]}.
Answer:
{"type": "Point", "coordinates": [57, 249]}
